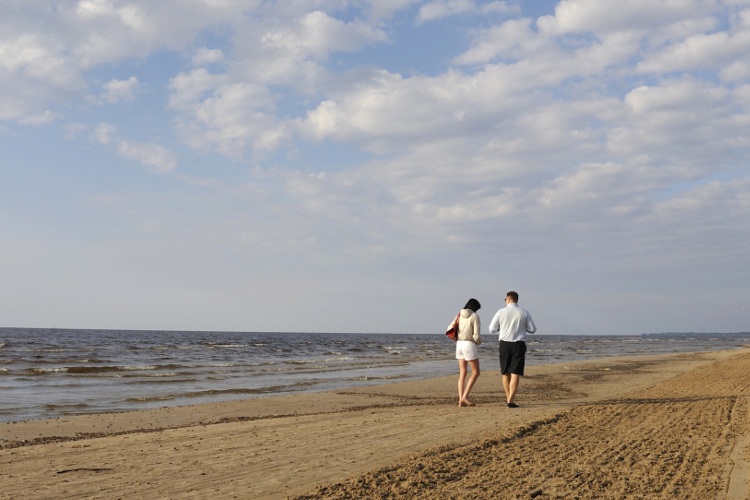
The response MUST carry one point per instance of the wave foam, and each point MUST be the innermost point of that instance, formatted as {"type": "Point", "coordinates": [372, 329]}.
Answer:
{"type": "Point", "coordinates": [48, 370]}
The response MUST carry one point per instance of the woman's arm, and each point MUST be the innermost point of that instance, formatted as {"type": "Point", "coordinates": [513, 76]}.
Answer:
{"type": "Point", "coordinates": [477, 329]}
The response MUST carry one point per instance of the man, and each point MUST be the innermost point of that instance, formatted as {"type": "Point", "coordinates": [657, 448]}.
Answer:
{"type": "Point", "coordinates": [512, 323]}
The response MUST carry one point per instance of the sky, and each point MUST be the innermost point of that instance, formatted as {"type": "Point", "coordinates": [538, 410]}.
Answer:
{"type": "Point", "coordinates": [370, 165]}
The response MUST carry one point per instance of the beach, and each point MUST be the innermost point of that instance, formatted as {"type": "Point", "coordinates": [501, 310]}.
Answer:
{"type": "Point", "coordinates": [664, 426]}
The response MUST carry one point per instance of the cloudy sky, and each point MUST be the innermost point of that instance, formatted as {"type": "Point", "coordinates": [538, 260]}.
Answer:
{"type": "Point", "coordinates": [369, 165]}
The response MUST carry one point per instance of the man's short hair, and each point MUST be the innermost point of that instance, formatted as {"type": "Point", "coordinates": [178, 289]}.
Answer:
{"type": "Point", "coordinates": [513, 296]}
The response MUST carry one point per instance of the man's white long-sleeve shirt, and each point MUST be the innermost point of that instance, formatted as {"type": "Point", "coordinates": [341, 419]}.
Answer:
{"type": "Point", "coordinates": [512, 323]}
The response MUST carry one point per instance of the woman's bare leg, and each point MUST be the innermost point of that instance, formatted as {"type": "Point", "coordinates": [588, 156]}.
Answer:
{"type": "Point", "coordinates": [472, 380]}
{"type": "Point", "coordinates": [461, 380]}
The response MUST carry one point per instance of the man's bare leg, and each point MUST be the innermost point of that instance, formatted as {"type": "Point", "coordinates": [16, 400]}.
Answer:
{"type": "Point", "coordinates": [474, 376]}
{"type": "Point", "coordinates": [461, 380]}
{"type": "Point", "coordinates": [510, 384]}
{"type": "Point", "coordinates": [512, 387]}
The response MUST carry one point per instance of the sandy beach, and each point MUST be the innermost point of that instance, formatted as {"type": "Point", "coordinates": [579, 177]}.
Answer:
{"type": "Point", "coordinates": [657, 427]}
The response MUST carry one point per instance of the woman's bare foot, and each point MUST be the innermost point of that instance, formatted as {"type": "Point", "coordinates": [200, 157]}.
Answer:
{"type": "Point", "coordinates": [465, 402]}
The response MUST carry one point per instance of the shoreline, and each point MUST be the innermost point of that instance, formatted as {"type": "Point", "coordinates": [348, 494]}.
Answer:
{"type": "Point", "coordinates": [276, 446]}
{"type": "Point", "coordinates": [80, 374]}
{"type": "Point", "coordinates": [173, 417]}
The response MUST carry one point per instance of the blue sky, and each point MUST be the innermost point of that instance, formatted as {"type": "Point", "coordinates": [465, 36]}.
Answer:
{"type": "Point", "coordinates": [367, 166]}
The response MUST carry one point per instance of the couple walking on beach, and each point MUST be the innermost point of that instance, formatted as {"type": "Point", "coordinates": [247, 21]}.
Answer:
{"type": "Point", "coordinates": [511, 323]}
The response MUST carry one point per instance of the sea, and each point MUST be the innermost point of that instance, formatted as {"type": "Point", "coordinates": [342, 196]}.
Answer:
{"type": "Point", "coordinates": [47, 373]}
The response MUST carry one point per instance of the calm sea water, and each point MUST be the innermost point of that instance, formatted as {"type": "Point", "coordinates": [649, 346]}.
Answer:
{"type": "Point", "coordinates": [54, 372]}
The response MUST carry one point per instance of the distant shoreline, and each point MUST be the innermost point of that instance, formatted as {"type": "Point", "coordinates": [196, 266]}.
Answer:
{"type": "Point", "coordinates": [694, 334]}
{"type": "Point", "coordinates": [260, 332]}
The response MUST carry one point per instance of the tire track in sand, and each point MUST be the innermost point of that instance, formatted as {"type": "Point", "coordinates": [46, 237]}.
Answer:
{"type": "Point", "coordinates": [676, 440]}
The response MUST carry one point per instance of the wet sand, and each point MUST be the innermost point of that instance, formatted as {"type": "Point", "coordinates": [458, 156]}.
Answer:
{"type": "Point", "coordinates": [672, 426]}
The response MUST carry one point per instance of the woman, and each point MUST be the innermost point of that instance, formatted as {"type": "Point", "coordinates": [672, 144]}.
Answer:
{"type": "Point", "coordinates": [466, 349]}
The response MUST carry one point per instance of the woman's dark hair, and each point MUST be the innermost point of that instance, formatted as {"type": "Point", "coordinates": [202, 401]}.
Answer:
{"type": "Point", "coordinates": [473, 304]}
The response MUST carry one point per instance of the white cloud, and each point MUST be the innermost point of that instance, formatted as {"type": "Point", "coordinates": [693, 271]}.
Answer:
{"type": "Point", "coordinates": [442, 8]}
{"type": "Point", "coordinates": [499, 7]}
{"type": "Point", "coordinates": [316, 34]}
{"type": "Point", "coordinates": [698, 51]}
{"type": "Point", "coordinates": [158, 159]}
{"type": "Point", "coordinates": [501, 145]}
{"type": "Point", "coordinates": [682, 29]}
{"type": "Point", "coordinates": [287, 45]}
{"type": "Point", "coordinates": [110, 30]}
{"type": "Point", "coordinates": [233, 118]}
{"type": "Point", "coordinates": [36, 58]}
{"type": "Point", "coordinates": [684, 118]}
{"type": "Point", "coordinates": [38, 119]}
{"type": "Point", "coordinates": [117, 90]}
{"type": "Point", "coordinates": [189, 88]}
{"type": "Point", "coordinates": [384, 9]}
{"type": "Point", "coordinates": [736, 71]}
{"type": "Point", "coordinates": [744, 19]}
{"type": "Point", "coordinates": [73, 129]}
{"type": "Point", "coordinates": [103, 133]}
{"type": "Point", "coordinates": [603, 16]}
{"type": "Point", "coordinates": [388, 109]}
{"type": "Point", "coordinates": [292, 51]}
{"type": "Point", "coordinates": [33, 72]}
{"type": "Point", "coordinates": [439, 9]}
{"type": "Point", "coordinates": [742, 96]}
{"type": "Point", "coordinates": [548, 113]}
{"type": "Point", "coordinates": [512, 39]}
{"type": "Point", "coordinates": [204, 56]}
{"type": "Point", "coordinates": [233, 112]}
{"type": "Point", "coordinates": [45, 51]}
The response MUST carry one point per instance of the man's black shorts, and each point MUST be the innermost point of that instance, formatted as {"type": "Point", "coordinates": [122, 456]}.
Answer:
{"type": "Point", "coordinates": [512, 357]}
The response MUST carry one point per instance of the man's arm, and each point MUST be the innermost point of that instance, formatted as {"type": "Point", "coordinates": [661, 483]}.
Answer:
{"type": "Point", "coordinates": [495, 323]}
{"type": "Point", "coordinates": [530, 326]}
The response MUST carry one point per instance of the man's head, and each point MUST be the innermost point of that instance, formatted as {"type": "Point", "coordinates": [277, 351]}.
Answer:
{"type": "Point", "coordinates": [511, 297]}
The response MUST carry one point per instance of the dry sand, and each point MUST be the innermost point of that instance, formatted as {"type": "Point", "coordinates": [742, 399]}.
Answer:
{"type": "Point", "coordinates": [657, 427]}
